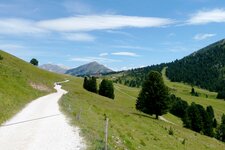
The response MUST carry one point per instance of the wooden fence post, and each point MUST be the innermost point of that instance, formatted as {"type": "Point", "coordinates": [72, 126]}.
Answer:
{"type": "Point", "coordinates": [78, 115]}
{"type": "Point", "coordinates": [106, 132]}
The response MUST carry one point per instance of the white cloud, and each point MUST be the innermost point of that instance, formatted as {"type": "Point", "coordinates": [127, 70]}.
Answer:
{"type": "Point", "coordinates": [11, 46]}
{"type": "Point", "coordinates": [81, 37]}
{"type": "Point", "coordinates": [132, 47]}
{"type": "Point", "coordinates": [102, 22]}
{"type": "Point", "coordinates": [20, 26]}
{"type": "Point", "coordinates": [103, 54]}
{"type": "Point", "coordinates": [120, 32]}
{"type": "Point", "coordinates": [90, 59]}
{"type": "Point", "coordinates": [203, 36]}
{"type": "Point", "coordinates": [77, 25]}
{"type": "Point", "coordinates": [77, 7]}
{"type": "Point", "coordinates": [125, 54]}
{"type": "Point", "coordinates": [204, 17]}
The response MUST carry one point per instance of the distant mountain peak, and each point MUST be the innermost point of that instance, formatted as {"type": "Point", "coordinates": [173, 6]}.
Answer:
{"type": "Point", "coordinates": [92, 68]}
{"type": "Point", "coordinates": [55, 68]}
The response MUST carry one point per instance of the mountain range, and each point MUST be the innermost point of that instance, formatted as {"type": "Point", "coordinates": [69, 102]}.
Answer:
{"type": "Point", "coordinates": [54, 68]}
{"type": "Point", "coordinates": [93, 68]}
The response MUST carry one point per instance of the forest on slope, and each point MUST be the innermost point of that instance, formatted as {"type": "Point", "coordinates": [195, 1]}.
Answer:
{"type": "Point", "coordinates": [204, 68]}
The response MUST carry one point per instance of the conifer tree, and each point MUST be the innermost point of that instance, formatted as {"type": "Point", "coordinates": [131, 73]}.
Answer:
{"type": "Point", "coordinates": [154, 96]}
{"type": "Point", "coordinates": [106, 89]}
{"type": "Point", "coordinates": [220, 132]}
{"type": "Point", "coordinates": [85, 83]}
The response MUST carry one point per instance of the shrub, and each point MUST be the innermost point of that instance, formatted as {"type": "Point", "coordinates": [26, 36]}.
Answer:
{"type": "Point", "coordinates": [1, 58]}
{"type": "Point", "coordinates": [34, 62]}
{"type": "Point", "coordinates": [179, 106]}
{"type": "Point", "coordinates": [90, 84]}
{"type": "Point", "coordinates": [171, 131]}
{"type": "Point", "coordinates": [106, 89]}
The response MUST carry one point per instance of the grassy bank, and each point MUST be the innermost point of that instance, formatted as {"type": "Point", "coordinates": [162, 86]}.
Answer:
{"type": "Point", "coordinates": [128, 128]}
{"type": "Point", "coordinates": [205, 97]}
{"type": "Point", "coordinates": [21, 82]}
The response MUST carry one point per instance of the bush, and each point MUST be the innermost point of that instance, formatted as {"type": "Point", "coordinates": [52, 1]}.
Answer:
{"type": "Point", "coordinates": [220, 132]}
{"type": "Point", "coordinates": [179, 106]}
{"type": "Point", "coordinates": [1, 58]}
{"type": "Point", "coordinates": [199, 119]}
{"type": "Point", "coordinates": [90, 84]}
{"type": "Point", "coordinates": [34, 62]}
{"type": "Point", "coordinates": [193, 93]}
{"type": "Point", "coordinates": [106, 89]}
{"type": "Point", "coordinates": [171, 131]}
{"type": "Point", "coordinates": [184, 141]}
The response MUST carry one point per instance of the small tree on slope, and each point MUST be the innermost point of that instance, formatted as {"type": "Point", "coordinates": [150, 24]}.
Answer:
{"type": "Point", "coordinates": [34, 62]}
{"type": "Point", "coordinates": [154, 96]}
{"type": "Point", "coordinates": [106, 89]}
{"type": "Point", "coordinates": [220, 132]}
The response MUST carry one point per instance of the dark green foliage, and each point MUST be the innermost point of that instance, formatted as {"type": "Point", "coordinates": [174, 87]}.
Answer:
{"type": "Point", "coordinates": [178, 107]}
{"type": "Point", "coordinates": [199, 119]}
{"type": "Point", "coordinates": [136, 77]}
{"type": "Point", "coordinates": [220, 132]}
{"type": "Point", "coordinates": [34, 61]}
{"type": "Point", "coordinates": [204, 68]}
{"type": "Point", "coordinates": [90, 84]}
{"type": "Point", "coordinates": [221, 90]}
{"type": "Point", "coordinates": [193, 93]}
{"type": "Point", "coordinates": [214, 123]}
{"type": "Point", "coordinates": [221, 95]}
{"type": "Point", "coordinates": [210, 111]}
{"type": "Point", "coordinates": [93, 85]}
{"type": "Point", "coordinates": [154, 96]}
{"type": "Point", "coordinates": [183, 142]}
{"type": "Point", "coordinates": [193, 118]}
{"type": "Point", "coordinates": [1, 58]}
{"type": "Point", "coordinates": [171, 131]}
{"type": "Point", "coordinates": [106, 89]}
{"type": "Point", "coordinates": [85, 83]}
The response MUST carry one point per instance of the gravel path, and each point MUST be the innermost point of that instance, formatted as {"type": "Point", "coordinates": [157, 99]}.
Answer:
{"type": "Point", "coordinates": [41, 126]}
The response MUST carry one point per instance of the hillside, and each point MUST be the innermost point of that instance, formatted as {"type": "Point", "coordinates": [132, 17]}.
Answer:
{"type": "Point", "coordinates": [134, 77]}
{"type": "Point", "coordinates": [54, 68]}
{"type": "Point", "coordinates": [129, 128]}
{"type": "Point", "coordinates": [21, 82]}
{"type": "Point", "coordinates": [204, 68]}
{"type": "Point", "coordinates": [92, 68]}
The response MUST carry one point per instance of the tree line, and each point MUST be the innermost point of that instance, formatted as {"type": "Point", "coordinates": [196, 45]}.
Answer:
{"type": "Point", "coordinates": [105, 88]}
{"type": "Point", "coordinates": [136, 77]}
{"type": "Point", "coordinates": [154, 98]}
{"type": "Point", "coordinates": [204, 68]}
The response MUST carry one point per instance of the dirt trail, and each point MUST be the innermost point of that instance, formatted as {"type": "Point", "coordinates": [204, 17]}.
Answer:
{"type": "Point", "coordinates": [41, 126]}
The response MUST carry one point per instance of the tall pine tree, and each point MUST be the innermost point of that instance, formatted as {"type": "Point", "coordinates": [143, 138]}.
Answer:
{"type": "Point", "coordinates": [154, 96]}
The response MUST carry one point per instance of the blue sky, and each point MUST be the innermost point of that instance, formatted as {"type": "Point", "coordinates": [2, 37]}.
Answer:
{"type": "Point", "coordinates": [120, 34]}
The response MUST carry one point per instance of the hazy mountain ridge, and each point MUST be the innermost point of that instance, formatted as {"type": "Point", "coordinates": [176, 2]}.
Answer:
{"type": "Point", "coordinates": [92, 68]}
{"type": "Point", "coordinates": [54, 68]}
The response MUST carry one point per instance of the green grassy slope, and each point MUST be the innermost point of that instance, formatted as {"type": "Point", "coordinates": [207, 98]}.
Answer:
{"type": "Point", "coordinates": [183, 90]}
{"type": "Point", "coordinates": [128, 128]}
{"type": "Point", "coordinates": [16, 80]}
